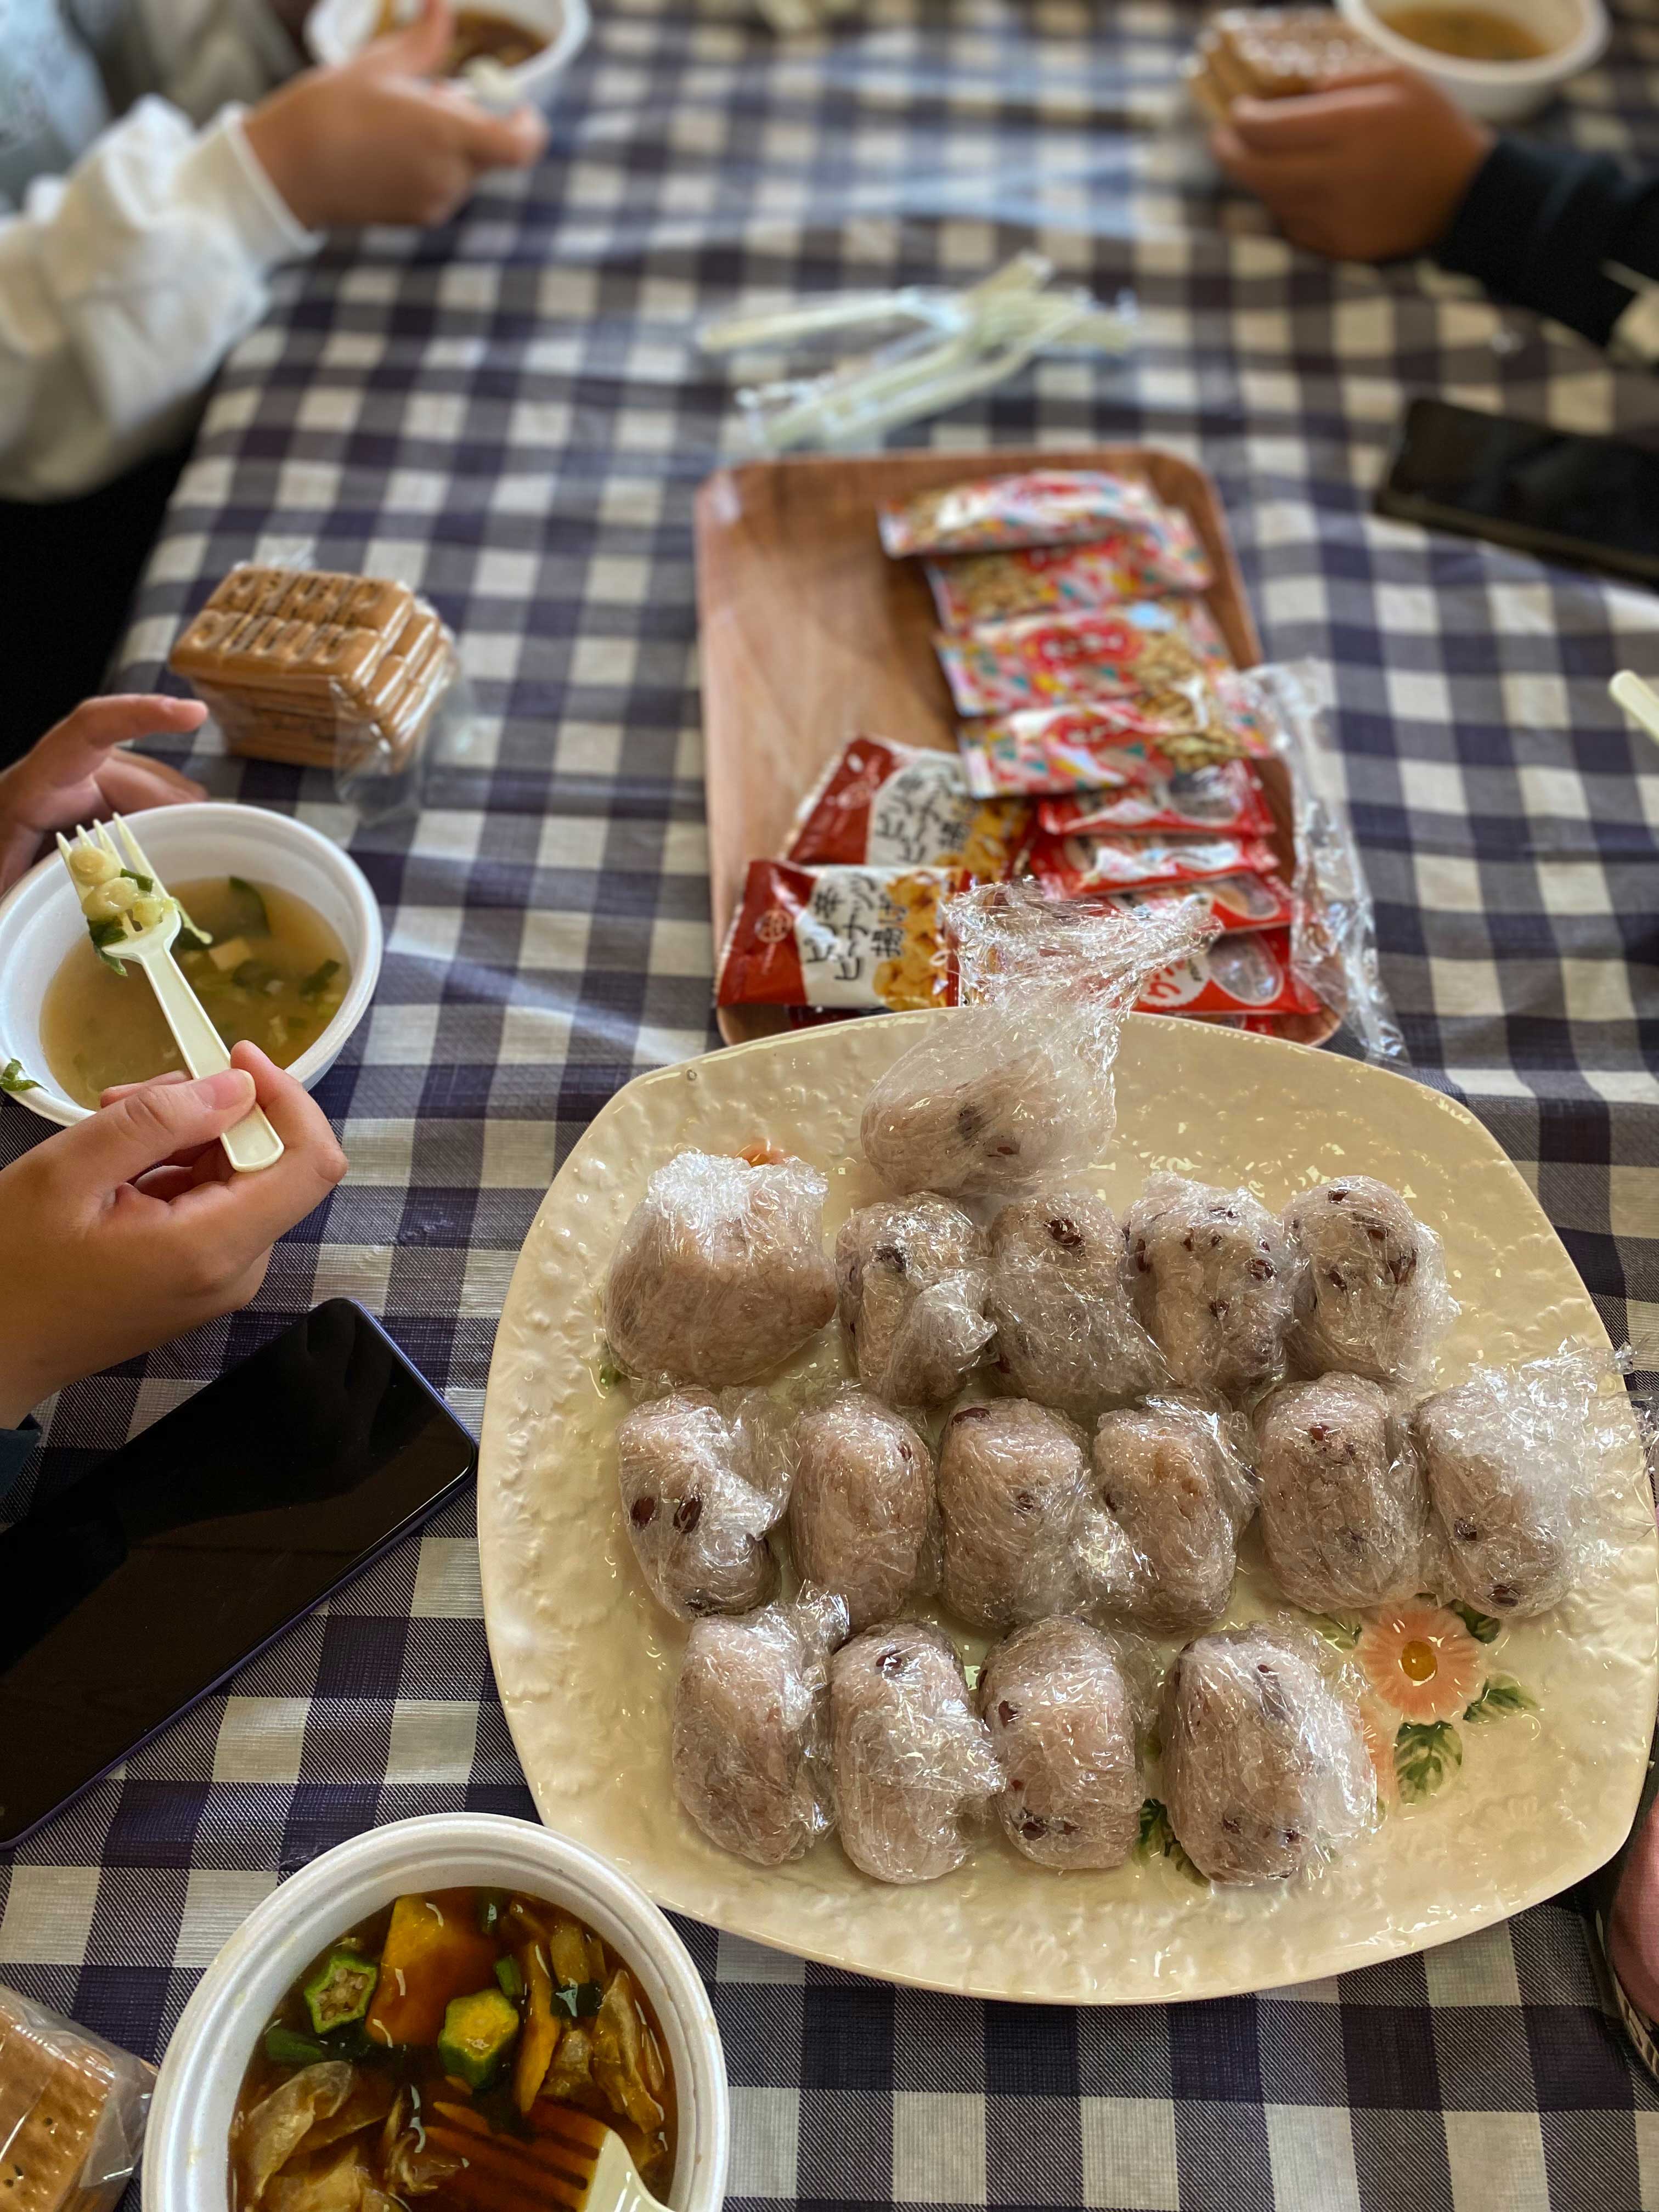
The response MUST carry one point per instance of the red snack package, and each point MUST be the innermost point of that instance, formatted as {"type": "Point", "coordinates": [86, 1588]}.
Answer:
{"type": "Point", "coordinates": [1235, 902]}
{"type": "Point", "coordinates": [969, 589]}
{"type": "Point", "coordinates": [838, 937]}
{"type": "Point", "coordinates": [1043, 506]}
{"type": "Point", "coordinates": [1225, 798]}
{"type": "Point", "coordinates": [1246, 972]}
{"type": "Point", "coordinates": [1141, 650]}
{"type": "Point", "coordinates": [1071, 867]}
{"type": "Point", "coordinates": [880, 805]}
{"type": "Point", "coordinates": [1098, 744]}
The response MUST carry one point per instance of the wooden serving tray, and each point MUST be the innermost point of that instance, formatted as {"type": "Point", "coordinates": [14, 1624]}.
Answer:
{"type": "Point", "coordinates": [811, 635]}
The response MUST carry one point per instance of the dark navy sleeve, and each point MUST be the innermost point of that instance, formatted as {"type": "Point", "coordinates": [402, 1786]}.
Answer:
{"type": "Point", "coordinates": [1546, 229]}
{"type": "Point", "coordinates": [16, 1449]}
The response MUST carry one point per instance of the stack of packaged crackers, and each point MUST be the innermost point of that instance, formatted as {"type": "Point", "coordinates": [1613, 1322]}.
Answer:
{"type": "Point", "coordinates": [72, 2112]}
{"type": "Point", "coordinates": [1106, 749]}
{"type": "Point", "coordinates": [1274, 53]}
{"type": "Point", "coordinates": [318, 670]}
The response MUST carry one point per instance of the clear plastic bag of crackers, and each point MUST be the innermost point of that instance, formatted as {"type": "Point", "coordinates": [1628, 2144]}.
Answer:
{"type": "Point", "coordinates": [1333, 929]}
{"type": "Point", "coordinates": [72, 2112]}
{"type": "Point", "coordinates": [356, 678]}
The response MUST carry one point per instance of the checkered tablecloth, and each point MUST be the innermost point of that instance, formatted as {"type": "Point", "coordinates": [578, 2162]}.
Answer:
{"type": "Point", "coordinates": [513, 415]}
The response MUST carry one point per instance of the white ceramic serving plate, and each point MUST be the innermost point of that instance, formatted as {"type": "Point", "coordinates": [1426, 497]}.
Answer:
{"type": "Point", "coordinates": [40, 920]}
{"type": "Point", "coordinates": [586, 1661]}
{"type": "Point", "coordinates": [187, 2160]}
{"type": "Point", "coordinates": [335, 29]}
{"type": "Point", "coordinates": [1574, 32]}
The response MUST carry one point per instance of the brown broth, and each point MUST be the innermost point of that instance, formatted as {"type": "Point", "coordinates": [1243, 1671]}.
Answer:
{"type": "Point", "coordinates": [98, 1027]}
{"type": "Point", "coordinates": [1469, 34]}
{"type": "Point", "coordinates": [479, 36]}
{"type": "Point", "coordinates": [414, 2072]}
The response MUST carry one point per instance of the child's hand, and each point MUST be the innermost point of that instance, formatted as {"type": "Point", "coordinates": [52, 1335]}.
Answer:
{"type": "Point", "coordinates": [372, 140]}
{"type": "Point", "coordinates": [131, 1228]}
{"type": "Point", "coordinates": [1370, 170]}
{"type": "Point", "coordinates": [73, 775]}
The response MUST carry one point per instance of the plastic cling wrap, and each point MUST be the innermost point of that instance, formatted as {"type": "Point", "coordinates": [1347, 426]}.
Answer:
{"type": "Point", "coordinates": [1063, 1726]}
{"type": "Point", "coordinates": [1012, 1481]}
{"type": "Point", "coordinates": [720, 1274]}
{"type": "Point", "coordinates": [1172, 1494]}
{"type": "Point", "coordinates": [1333, 942]}
{"type": "Point", "coordinates": [1371, 1296]}
{"type": "Point", "coordinates": [969, 589]}
{"type": "Point", "coordinates": [1211, 1276]}
{"type": "Point", "coordinates": [72, 2112]}
{"type": "Point", "coordinates": [911, 1280]}
{"type": "Point", "coordinates": [1344, 1508]}
{"type": "Point", "coordinates": [751, 1728]}
{"type": "Point", "coordinates": [1140, 651]}
{"type": "Point", "coordinates": [1066, 1334]}
{"type": "Point", "coordinates": [1264, 1768]}
{"type": "Point", "coordinates": [1043, 506]}
{"type": "Point", "coordinates": [696, 1521]}
{"type": "Point", "coordinates": [1017, 1088]}
{"type": "Point", "coordinates": [1521, 1464]}
{"type": "Point", "coordinates": [913, 1768]}
{"type": "Point", "coordinates": [862, 1506]}
{"type": "Point", "coordinates": [883, 805]}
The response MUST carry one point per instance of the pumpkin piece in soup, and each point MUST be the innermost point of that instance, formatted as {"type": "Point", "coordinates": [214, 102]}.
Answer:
{"type": "Point", "coordinates": [434, 1952]}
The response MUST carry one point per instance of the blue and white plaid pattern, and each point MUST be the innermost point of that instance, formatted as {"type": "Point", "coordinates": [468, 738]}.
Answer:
{"type": "Point", "coordinates": [515, 416]}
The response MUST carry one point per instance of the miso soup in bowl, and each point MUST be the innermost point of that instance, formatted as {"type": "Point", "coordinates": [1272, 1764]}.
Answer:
{"type": "Point", "coordinates": [287, 956]}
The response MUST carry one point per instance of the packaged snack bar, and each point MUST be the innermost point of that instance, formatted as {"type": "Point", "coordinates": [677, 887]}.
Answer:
{"type": "Point", "coordinates": [72, 2112]}
{"type": "Point", "coordinates": [1235, 902]}
{"type": "Point", "coordinates": [1226, 800]}
{"type": "Point", "coordinates": [1138, 650]}
{"type": "Point", "coordinates": [971, 588]}
{"type": "Point", "coordinates": [1043, 506]}
{"type": "Point", "coordinates": [880, 805]}
{"type": "Point", "coordinates": [1069, 867]}
{"type": "Point", "coordinates": [838, 937]}
{"type": "Point", "coordinates": [1248, 972]}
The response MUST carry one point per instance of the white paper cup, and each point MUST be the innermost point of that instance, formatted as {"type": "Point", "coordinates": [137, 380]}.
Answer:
{"type": "Point", "coordinates": [186, 2152]}
{"type": "Point", "coordinates": [41, 922]}
{"type": "Point", "coordinates": [1574, 32]}
{"type": "Point", "coordinates": [335, 29]}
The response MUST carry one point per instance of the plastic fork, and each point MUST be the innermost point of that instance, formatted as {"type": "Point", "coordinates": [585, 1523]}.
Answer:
{"type": "Point", "coordinates": [573, 2162]}
{"type": "Point", "coordinates": [251, 1143]}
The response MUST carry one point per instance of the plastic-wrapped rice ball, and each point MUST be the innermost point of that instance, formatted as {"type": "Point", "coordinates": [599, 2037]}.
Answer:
{"type": "Point", "coordinates": [1211, 1278]}
{"type": "Point", "coordinates": [913, 1766]}
{"type": "Point", "coordinates": [1344, 1507]}
{"type": "Point", "coordinates": [1370, 1282]}
{"type": "Point", "coordinates": [861, 1509]}
{"type": "Point", "coordinates": [1013, 1479]}
{"type": "Point", "coordinates": [911, 1273]}
{"type": "Point", "coordinates": [1062, 1724]}
{"type": "Point", "coordinates": [1265, 1767]}
{"type": "Point", "coordinates": [1066, 1334]}
{"type": "Point", "coordinates": [750, 1745]}
{"type": "Point", "coordinates": [1173, 1496]}
{"type": "Point", "coordinates": [697, 1525]}
{"type": "Point", "coordinates": [720, 1274]}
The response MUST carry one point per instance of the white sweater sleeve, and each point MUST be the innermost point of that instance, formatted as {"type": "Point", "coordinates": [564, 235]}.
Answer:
{"type": "Point", "coordinates": [122, 286]}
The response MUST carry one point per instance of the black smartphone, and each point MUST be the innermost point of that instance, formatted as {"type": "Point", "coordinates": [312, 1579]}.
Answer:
{"type": "Point", "coordinates": [1591, 502]}
{"type": "Point", "coordinates": [134, 1591]}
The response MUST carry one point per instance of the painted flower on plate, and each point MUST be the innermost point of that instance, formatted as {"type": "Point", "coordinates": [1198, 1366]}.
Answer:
{"type": "Point", "coordinates": [1420, 1660]}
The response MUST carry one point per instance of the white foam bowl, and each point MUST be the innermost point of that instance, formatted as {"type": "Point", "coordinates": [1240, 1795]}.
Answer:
{"type": "Point", "coordinates": [187, 2151]}
{"type": "Point", "coordinates": [40, 923]}
{"type": "Point", "coordinates": [1575, 33]}
{"type": "Point", "coordinates": [336, 29]}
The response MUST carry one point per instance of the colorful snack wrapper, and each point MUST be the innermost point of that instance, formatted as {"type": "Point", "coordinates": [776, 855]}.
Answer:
{"type": "Point", "coordinates": [1098, 744]}
{"type": "Point", "coordinates": [1248, 972]}
{"type": "Point", "coordinates": [1070, 867]}
{"type": "Point", "coordinates": [1225, 799]}
{"type": "Point", "coordinates": [838, 937]}
{"type": "Point", "coordinates": [880, 805]}
{"type": "Point", "coordinates": [1234, 901]}
{"type": "Point", "coordinates": [1044, 507]}
{"type": "Point", "coordinates": [969, 589]}
{"type": "Point", "coordinates": [1139, 650]}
